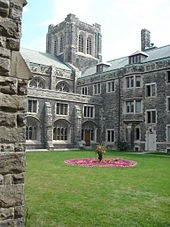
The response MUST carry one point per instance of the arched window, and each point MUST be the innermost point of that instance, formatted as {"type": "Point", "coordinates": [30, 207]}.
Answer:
{"type": "Point", "coordinates": [55, 45]}
{"type": "Point", "coordinates": [32, 129]}
{"type": "Point", "coordinates": [61, 44]}
{"type": "Point", "coordinates": [49, 40]}
{"type": "Point", "coordinates": [61, 131]}
{"type": "Point", "coordinates": [37, 83]}
{"type": "Point", "coordinates": [31, 133]}
{"type": "Point", "coordinates": [81, 49]}
{"type": "Point", "coordinates": [89, 47]}
{"type": "Point", "coordinates": [62, 86]}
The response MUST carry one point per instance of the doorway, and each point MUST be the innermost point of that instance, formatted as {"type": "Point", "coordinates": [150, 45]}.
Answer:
{"type": "Point", "coordinates": [150, 140]}
{"type": "Point", "coordinates": [87, 137]}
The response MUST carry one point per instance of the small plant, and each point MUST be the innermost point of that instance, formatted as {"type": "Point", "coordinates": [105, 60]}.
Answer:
{"type": "Point", "coordinates": [100, 150]}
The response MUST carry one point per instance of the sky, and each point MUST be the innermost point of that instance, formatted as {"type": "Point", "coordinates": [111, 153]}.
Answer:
{"type": "Point", "coordinates": [121, 22]}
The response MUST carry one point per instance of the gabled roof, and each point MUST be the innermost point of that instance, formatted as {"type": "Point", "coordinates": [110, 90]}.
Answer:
{"type": "Point", "coordinates": [42, 58]}
{"type": "Point", "coordinates": [139, 52]}
{"type": "Point", "coordinates": [152, 54]}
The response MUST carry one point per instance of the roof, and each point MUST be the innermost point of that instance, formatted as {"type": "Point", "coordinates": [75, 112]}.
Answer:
{"type": "Point", "coordinates": [157, 53]}
{"type": "Point", "coordinates": [42, 58]}
{"type": "Point", "coordinates": [152, 54]}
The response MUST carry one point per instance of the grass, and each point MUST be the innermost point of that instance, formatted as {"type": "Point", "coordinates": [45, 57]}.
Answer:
{"type": "Point", "coordinates": [61, 195]}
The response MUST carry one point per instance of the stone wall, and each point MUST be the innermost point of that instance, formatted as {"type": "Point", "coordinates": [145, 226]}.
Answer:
{"type": "Point", "coordinates": [13, 81]}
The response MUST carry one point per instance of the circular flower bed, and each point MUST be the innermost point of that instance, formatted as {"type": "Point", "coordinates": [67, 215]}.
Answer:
{"type": "Point", "coordinates": [107, 162]}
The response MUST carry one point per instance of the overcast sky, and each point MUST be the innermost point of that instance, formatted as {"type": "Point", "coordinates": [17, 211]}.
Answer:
{"type": "Point", "coordinates": [121, 22]}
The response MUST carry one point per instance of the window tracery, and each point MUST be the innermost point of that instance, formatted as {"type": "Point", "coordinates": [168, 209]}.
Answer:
{"type": "Point", "coordinates": [89, 46]}
{"type": "Point", "coordinates": [37, 83]}
{"type": "Point", "coordinates": [62, 86]}
{"type": "Point", "coordinates": [81, 43]}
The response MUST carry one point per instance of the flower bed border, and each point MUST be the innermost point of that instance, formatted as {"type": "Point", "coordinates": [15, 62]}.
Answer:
{"type": "Point", "coordinates": [106, 162]}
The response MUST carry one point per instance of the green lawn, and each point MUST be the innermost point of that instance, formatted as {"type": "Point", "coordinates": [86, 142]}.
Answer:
{"type": "Point", "coordinates": [61, 195]}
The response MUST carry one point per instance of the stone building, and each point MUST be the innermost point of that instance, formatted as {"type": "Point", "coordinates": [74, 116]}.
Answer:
{"type": "Point", "coordinates": [14, 75]}
{"type": "Point", "coordinates": [76, 100]}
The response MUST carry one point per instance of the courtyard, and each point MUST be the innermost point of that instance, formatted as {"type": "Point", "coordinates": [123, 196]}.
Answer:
{"type": "Point", "coordinates": [57, 194]}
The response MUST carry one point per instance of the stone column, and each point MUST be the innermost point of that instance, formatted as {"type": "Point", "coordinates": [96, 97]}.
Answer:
{"type": "Point", "coordinates": [14, 75]}
{"type": "Point", "coordinates": [48, 126]}
{"type": "Point", "coordinates": [77, 126]}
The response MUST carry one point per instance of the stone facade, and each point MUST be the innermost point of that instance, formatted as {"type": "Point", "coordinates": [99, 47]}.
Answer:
{"type": "Point", "coordinates": [14, 75]}
{"type": "Point", "coordinates": [124, 103]}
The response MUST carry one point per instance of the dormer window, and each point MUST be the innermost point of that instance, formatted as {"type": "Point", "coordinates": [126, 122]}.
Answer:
{"type": "Point", "coordinates": [136, 58]}
{"type": "Point", "coordinates": [100, 67]}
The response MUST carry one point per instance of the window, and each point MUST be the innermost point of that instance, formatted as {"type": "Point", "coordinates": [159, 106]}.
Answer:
{"type": "Point", "coordinates": [61, 44]}
{"type": "Point", "coordinates": [36, 83]}
{"type": "Point", "coordinates": [130, 82]}
{"type": "Point", "coordinates": [130, 106]}
{"type": "Point", "coordinates": [133, 81]}
{"type": "Point", "coordinates": [135, 59]}
{"type": "Point", "coordinates": [55, 45]}
{"type": "Point", "coordinates": [151, 116]}
{"type": "Point", "coordinates": [138, 106]}
{"type": "Point", "coordinates": [168, 104]}
{"type": "Point", "coordinates": [84, 90]}
{"type": "Point", "coordinates": [168, 133]}
{"type": "Point", "coordinates": [134, 106]}
{"type": "Point", "coordinates": [150, 90]}
{"type": "Point", "coordinates": [138, 81]}
{"type": "Point", "coordinates": [110, 86]}
{"type": "Point", "coordinates": [60, 133]}
{"type": "Point", "coordinates": [137, 133]}
{"type": "Point", "coordinates": [96, 89]}
{"type": "Point", "coordinates": [49, 41]}
{"type": "Point", "coordinates": [89, 111]}
{"type": "Point", "coordinates": [62, 109]}
{"type": "Point", "coordinates": [89, 46]}
{"type": "Point", "coordinates": [110, 135]}
{"type": "Point", "coordinates": [81, 49]}
{"type": "Point", "coordinates": [32, 106]}
{"type": "Point", "coordinates": [31, 133]}
{"type": "Point", "coordinates": [99, 68]}
{"type": "Point", "coordinates": [62, 86]}
{"type": "Point", "coordinates": [168, 79]}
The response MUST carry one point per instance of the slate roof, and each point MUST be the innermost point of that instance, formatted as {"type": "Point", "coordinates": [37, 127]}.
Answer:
{"type": "Point", "coordinates": [42, 58]}
{"type": "Point", "coordinates": [153, 54]}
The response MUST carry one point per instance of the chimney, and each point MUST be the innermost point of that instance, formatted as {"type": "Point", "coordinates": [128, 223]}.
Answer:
{"type": "Point", "coordinates": [145, 39]}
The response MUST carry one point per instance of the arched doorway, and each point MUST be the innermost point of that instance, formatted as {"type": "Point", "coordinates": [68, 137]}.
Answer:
{"type": "Point", "coordinates": [88, 134]}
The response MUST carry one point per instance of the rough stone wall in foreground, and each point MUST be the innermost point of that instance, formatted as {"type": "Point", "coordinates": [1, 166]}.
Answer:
{"type": "Point", "coordinates": [13, 80]}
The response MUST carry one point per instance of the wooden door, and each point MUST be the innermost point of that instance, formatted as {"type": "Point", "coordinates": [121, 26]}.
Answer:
{"type": "Point", "coordinates": [87, 137]}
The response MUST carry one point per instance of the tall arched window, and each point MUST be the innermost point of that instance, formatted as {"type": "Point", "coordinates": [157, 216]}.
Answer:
{"type": "Point", "coordinates": [31, 133]}
{"type": "Point", "coordinates": [61, 44]}
{"type": "Point", "coordinates": [37, 83]}
{"type": "Point", "coordinates": [32, 129]}
{"type": "Point", "coordinates": [62, 86]}
{"type": "Point", "coordinates": [89, 47]}
{"type": "Point", "coordinates": [81, 43]}
{"type": "Point", "coordinates": [61, 130]}
{"type": "Point", "coordinates": [55, 45]}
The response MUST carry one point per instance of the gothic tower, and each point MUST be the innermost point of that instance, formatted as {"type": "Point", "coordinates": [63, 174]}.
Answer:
{"type": "Point", "coordinates": [75, 42]}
